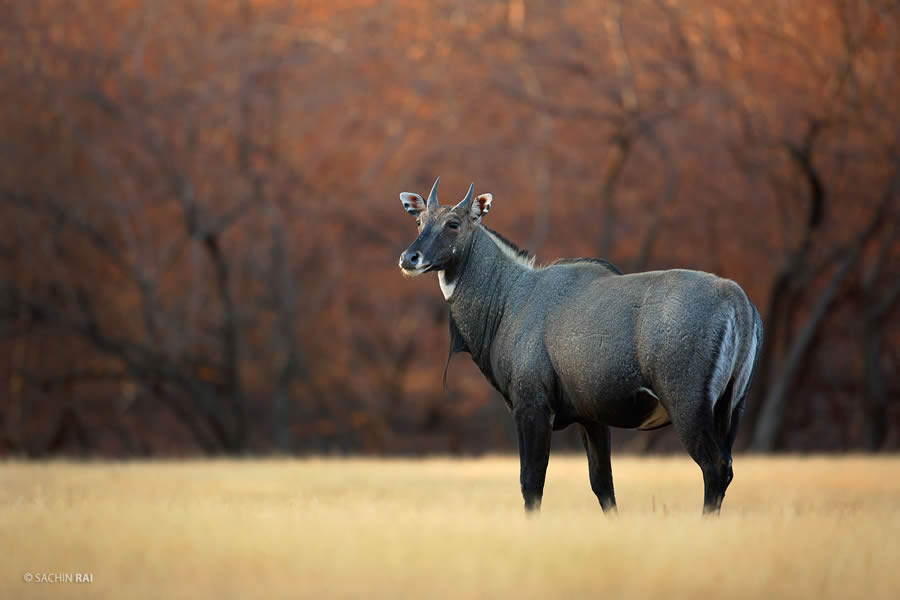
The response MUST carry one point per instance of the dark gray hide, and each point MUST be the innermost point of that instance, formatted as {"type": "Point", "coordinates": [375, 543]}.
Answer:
{"type": "Point", "coordinates": [577, 342]}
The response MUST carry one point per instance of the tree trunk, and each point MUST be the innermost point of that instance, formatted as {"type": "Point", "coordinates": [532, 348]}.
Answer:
{"type": "Point", "coordinates": [876, 392]}
{"type": "Point", "coordinates": [237, 438]}
{"type": "Point", "coordinates": [765, 435]}
{"type": "Point", "coordinates": [875, 427]}
{"type": "Point", "coordinates": [670, 188]}
{"type": "Point", "coordinates": [614, 166]}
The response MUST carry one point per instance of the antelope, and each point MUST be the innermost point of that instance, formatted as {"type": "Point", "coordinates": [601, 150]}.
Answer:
{"type": "Point", "coordinates": [576, 341]}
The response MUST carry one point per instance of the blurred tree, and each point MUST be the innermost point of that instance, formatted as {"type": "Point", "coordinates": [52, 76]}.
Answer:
{"type": "Point", "coordinates": [200, 224]}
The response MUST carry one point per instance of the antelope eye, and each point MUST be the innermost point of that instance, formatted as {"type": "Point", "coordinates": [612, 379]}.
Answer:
{"type": "Point", "coordinates": [418, 222]}
{"type": "Point", "coordinates": [453, 225]}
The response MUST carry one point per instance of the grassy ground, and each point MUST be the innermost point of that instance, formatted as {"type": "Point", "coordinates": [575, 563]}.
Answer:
{"type": "Point", "coordinates": [441, 528]}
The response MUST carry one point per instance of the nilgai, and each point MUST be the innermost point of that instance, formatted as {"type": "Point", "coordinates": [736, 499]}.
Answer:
{"type": "Point", "coordinates": [576, 341]}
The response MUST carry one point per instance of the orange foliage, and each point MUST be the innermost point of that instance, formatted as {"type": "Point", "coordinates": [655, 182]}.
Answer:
{"type": "Point", "coordinates": [200, 216]}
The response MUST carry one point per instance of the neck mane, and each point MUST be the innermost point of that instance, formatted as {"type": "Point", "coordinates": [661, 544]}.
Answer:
{"type": "Point", "coordinates": [526, 259]}
{"type": "Point", "coordinates": [522, 257]}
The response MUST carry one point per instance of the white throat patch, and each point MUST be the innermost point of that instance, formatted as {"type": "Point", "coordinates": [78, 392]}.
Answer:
{"type": "Point", "coordinates": [446, 288]}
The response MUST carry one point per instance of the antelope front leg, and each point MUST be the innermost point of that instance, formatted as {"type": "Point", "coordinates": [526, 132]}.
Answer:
{"type": "Point", "coordinates": [534, 428]}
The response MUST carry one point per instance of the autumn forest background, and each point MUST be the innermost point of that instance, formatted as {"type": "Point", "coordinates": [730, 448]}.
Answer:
{"type": "Point", "coordinates": [200, 222]}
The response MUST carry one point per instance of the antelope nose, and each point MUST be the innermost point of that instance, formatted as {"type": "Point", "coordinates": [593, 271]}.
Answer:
{"type": "Point", "coordinates": [410, 260]}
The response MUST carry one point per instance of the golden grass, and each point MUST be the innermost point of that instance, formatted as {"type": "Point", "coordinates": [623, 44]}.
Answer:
{"type": "Point", "coordinates": [443, 528]}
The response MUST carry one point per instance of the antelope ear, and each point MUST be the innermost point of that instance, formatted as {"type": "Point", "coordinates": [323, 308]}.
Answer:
{"type": "Point", "coordinates": [412, 203]}
{"type": "Point", "coordinates": [480, 206]}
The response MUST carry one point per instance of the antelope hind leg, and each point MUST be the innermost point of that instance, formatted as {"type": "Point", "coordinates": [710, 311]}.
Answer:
{"type": "Point", "coordinates": [700, 437]}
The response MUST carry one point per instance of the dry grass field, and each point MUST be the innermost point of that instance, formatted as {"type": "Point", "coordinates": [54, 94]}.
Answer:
{"type": "Point", "coordinates": [441, 528]}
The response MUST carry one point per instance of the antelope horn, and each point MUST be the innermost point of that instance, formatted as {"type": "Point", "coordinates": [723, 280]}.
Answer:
{"type": "Point", "coordinates": [467, 201]}
{"type": "Point", "coordinates": [432, 197]}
